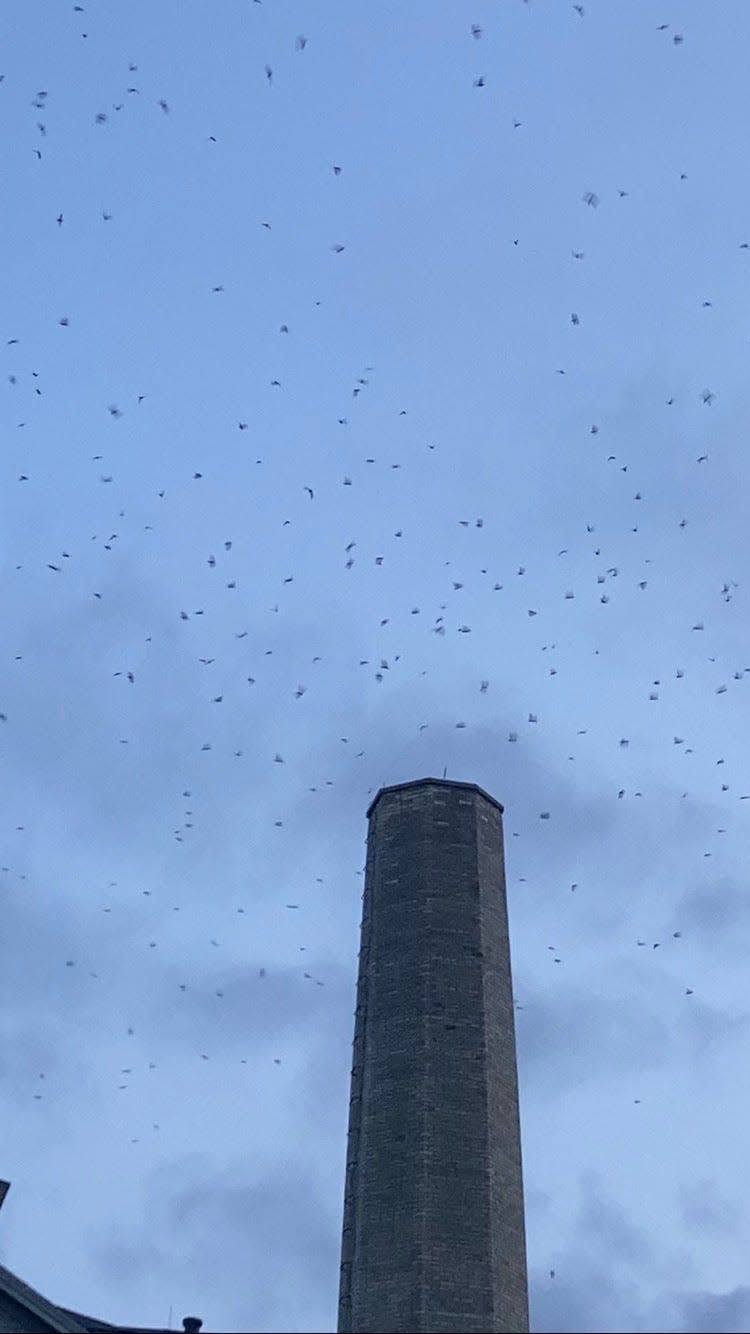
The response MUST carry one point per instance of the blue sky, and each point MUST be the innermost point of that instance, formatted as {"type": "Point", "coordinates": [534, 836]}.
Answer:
{"type": "Point", "coordinates": [501, 494]}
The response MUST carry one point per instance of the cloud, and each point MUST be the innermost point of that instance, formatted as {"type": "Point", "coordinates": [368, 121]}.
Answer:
{"type": "Point", "coordinates": [610, 1275]}
{"type": "Point", "coordinates": [598, 1280]}
{"type": "Point", "coordinates": [718, 914]}
{"type": "Point", "coordinates": [244, 1249]}
{"type": "Point", "coordinates": [578, 1035]}
{"type": "Point", "coordinates": [716, 1312]}
{"type": "Point", "coordinates": [706, 1211]}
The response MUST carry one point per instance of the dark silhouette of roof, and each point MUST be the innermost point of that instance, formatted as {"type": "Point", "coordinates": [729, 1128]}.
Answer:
{"type": "Point", "coordinates": [61, 1320]}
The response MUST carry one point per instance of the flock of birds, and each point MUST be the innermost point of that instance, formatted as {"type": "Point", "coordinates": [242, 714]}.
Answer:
{"type": "Point", "coordinates": [220, 560]}
{"type": "Point", "coordinates": [233, 668]}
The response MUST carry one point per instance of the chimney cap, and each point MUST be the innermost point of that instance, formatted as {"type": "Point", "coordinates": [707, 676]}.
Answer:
{"type": "Point", "coordinates": [434, 782]}
{"type": "Point", "coordinates": [191, 1324]}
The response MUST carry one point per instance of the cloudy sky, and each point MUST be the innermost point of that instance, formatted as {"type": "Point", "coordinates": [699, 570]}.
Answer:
{"type": "Point", "coordinates": [374, 403]}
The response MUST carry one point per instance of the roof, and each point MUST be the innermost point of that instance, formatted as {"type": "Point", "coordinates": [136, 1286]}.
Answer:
{"type": "Point", "coordinates": [59, 1318]}
{"type": "Point", "coordinates": [101, 1326]}
{"type": "Point", "coordinates": [437, 782]}
{"type": "Point", "coordinates": [62, 1322]}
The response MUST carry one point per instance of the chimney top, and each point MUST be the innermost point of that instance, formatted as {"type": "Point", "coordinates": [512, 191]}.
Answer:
{"type": "Point", "coordinates": [433, 782]}
{"type": "Point", "coordinates": [191, 1324]}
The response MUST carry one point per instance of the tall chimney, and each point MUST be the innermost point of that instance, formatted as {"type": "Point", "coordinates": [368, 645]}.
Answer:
{"type": "Point", "coordinates": [433, 1236]}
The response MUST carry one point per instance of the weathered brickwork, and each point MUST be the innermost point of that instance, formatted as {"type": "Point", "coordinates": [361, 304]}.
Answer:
{"type": "Point", "coordinates": [433, 1236]}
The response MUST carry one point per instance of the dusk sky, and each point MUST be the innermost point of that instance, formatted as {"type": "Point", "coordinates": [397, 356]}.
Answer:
{"type": "Point", "coordinates": [374, 404]}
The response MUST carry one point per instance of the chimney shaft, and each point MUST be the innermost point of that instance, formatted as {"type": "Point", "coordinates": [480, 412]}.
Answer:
{"type": "Point", "coordinates": [433, 1235]}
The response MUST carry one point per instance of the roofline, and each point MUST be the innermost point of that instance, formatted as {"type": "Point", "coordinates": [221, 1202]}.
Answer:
{"type": "Point", "coordinates": [93, 1326]}
{"type": "Point", "coordinates": [63, 1322]}
{"type": "Point", "coordinates": [60, 1318]}
{"type": "Point", "coordinates": [438, 782]}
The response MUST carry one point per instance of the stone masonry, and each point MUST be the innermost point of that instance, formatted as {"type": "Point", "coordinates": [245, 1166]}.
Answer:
{"type": "Point", "coordinates": [433, 1234]}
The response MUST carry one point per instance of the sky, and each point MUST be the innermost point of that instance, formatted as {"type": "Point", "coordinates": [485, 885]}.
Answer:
{"type": "Point", "coordinates": [373, 406]}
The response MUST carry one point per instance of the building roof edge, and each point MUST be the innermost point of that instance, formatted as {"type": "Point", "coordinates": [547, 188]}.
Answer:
{"type": "Point", "coordinates": [55, 1316]}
